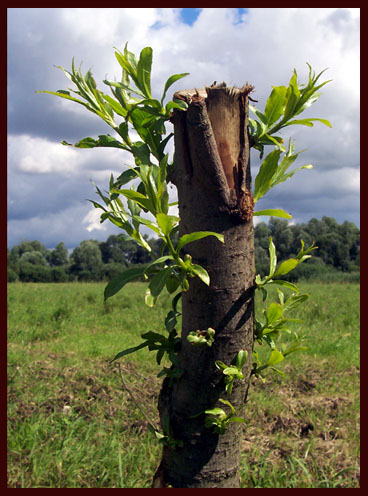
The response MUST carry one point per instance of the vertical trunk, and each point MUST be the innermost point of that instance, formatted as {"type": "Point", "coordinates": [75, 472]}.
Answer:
{"type": "Point", "coordinates": [213, 180]}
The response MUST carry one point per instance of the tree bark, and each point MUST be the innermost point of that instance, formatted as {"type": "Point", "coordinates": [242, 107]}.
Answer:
{"type": "Point", "coordinates": [212, 175]}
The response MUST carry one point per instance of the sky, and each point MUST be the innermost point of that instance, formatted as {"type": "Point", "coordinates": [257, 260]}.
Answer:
{"type": "Point", "coordinates": [49, 184]}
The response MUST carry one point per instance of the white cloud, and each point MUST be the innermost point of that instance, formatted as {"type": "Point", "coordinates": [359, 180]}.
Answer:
{"type": "Point", "coordinates": [36, 155]}
{"type": "Point", "coordinates": [92, 221]}
{"type": "Point", "coordinates": [39, 156]}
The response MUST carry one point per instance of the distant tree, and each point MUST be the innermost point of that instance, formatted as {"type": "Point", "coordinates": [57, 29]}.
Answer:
{"type": "Point", "coordinates": [33, 267]}
{"type": "Point", "coordinates": [115, 250]}
{"type": "Point", "coordinates": [316, 228]}
{"type": "Point", "coordinates": [12, 276]}
{"type": "Point", "coordinates": [34, 258]}
{"type": "Point", "coordinates": [351, 237]}
{"type": "Point", "coordinates": [59, 274]}
{"type": "Point", "coordinates": [338, 245]}
{"type": "Point", "coordinates": [59, 256]}
{"type": "Point", "coordinates": [110, 270]}
{"type": "Point", "coordinates": [86, 261]}
{"type": "Point", "coordinates": [30, 272]}
{"type": "Point", "coordinates": [261, 235]}
{"type": "Point", "coordinates": [12, 264]}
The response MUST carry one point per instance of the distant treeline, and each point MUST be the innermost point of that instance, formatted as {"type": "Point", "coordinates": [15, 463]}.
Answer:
{"type": "Point", "coordinates": [338, 253]}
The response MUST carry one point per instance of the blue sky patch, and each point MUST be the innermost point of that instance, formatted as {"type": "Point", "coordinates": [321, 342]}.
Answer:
{"type": "Point", "coordinates": [239, 14]}
{"type": "Point", "coordinates": [189, 16]}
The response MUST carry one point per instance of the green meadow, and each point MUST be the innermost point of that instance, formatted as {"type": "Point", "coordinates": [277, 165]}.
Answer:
{"type": "Point", "coordinates": [73, 424]}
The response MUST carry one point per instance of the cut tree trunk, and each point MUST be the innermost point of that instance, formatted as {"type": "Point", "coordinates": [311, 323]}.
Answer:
{"type": "Point", "coordinates": [212, 175]}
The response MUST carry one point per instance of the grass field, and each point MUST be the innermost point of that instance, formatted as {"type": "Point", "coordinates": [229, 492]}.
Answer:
{"type": "Point", "coordinates": [72, 424]}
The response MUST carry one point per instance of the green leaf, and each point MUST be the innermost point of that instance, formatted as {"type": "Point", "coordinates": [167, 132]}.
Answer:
{"type": "Point", "coordinates": [116, 106]}
{"type": "Point", "coordinates": [159, 356]}
{"type": "Point", "coordinates": [275, 104]}
{"type": "Point", "coordinates": [286, 284]}
{"type": "Point", "coordinates": [83, 143]}
{"type": "Point", "coordinates": [284, 177]}
{"type": "Point", "coordinates": [308, 122]}
{"type": "Point", "coordinates": [149, 299]}
{"type": "Point", "coordinates": [216, 411]}
{"type": "Point", "coordinates": [129, 63]}
{"type": "Point", "coordinates": [265, 174]}
{"type": "Point", "coordinates": [273, 258]}
{"type": "Point", "coordinates": [126, 177]}
{"type": "Point", "coordinates": [166, 222]}
{"type": "Point", "coordinates": [274, 212]}
{"type": "Point", "coordinates": [144, 71]}
{"type": "Point", "coordinates": [226, 402]}
{"type": "Point", "coordinates": [177, 104]}
{"type": "Point", "coordinates": [106, 141]}
{"type": "Point", "coordinates": [172, 283]}
{"type": "Point", "coordinates": [125, 88]}
{"type": "Point", "coordinates": [170, 321]}
{"type": "Point", "coordinates": [66, 94]}
{"type": "Point", "coordinates": [241, 358]}
{"type": "Point", "coordinates": [141, 151]}
{"type": "Point", "coordinates": [275, 357]}
{"type": "Point", "coordinates": [158, 282]}
{"type": "Point", "coordinates": [274, 313]}
{"type": "Point", "coordinates": [236, 419]}
{"type": "Point", "coordinates": [292, 98]}
{"type": "Point", "coordinates": [130, 350]}
{"type": "Point", "coordinates": [201, 273]}
{"type": "Point", "coordinates": [189, 238]}
{"type": "Point", "coordinates": [267, 139]}
{"type": "Point", "coordinates": [220, 365]}
{"type": "Point", "coordinates": [153, 337]}
{"type": "Point", "coordinates": [134, 210]}
{"type": "Point", "coordinates": [123, 130]}
{"type": "Point", "coordinates": [142, 200]}
{"type": "Point", "coordinates": [172, 79]}
{"type": "Point", "coordinates": [286, 267]}
{"type": "Point", "coordinates": [120, 280]}
{"type": "Point", "coordinates": [158, 261]}
{"type": "Point", "coordinates": [295, 300]}
{"type": "Point", "coordinates": [175, 301]}
{"type": "Point", "coordinates": [230, 371]}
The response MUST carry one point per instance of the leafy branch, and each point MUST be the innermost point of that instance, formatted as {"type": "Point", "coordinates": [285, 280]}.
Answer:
{"type": "Point", "coordinates": [233, 372]}
{"type": "Point", "coordinates": [268, 330]}
{"type": "Point", "coordinates": [282, 106]}
{"type": "Point", "coordinates": [284, 268]}
{"type": "Point", "coordinates": [147, 117]}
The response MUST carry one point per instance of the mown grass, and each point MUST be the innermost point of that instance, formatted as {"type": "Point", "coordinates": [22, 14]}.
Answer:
{"type": "Point", "coordinates": [72, 424]}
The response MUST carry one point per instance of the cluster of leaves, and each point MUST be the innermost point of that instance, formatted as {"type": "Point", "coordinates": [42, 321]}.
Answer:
{"type": "Point", "coordinates": [145, 114]}
{"type": "Point", "coordinates": [267, 332]}
{"type": "Point", "coordinates": [282, 106]}
{"type": "Point", "coordinates": [199, 337]}
{"type": "Point", "coordinates": [155, 341]}
{"type": "Point", "coordinates": [233, 372]}
{"type": "Point", "coordinates": [217, 418]}
{"type": "Point", "coordinates": [166, 438]}
{"type": "Point", "coordinates": [275, 320]}
{"type": "Point", "coordinates": [147, 117]}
